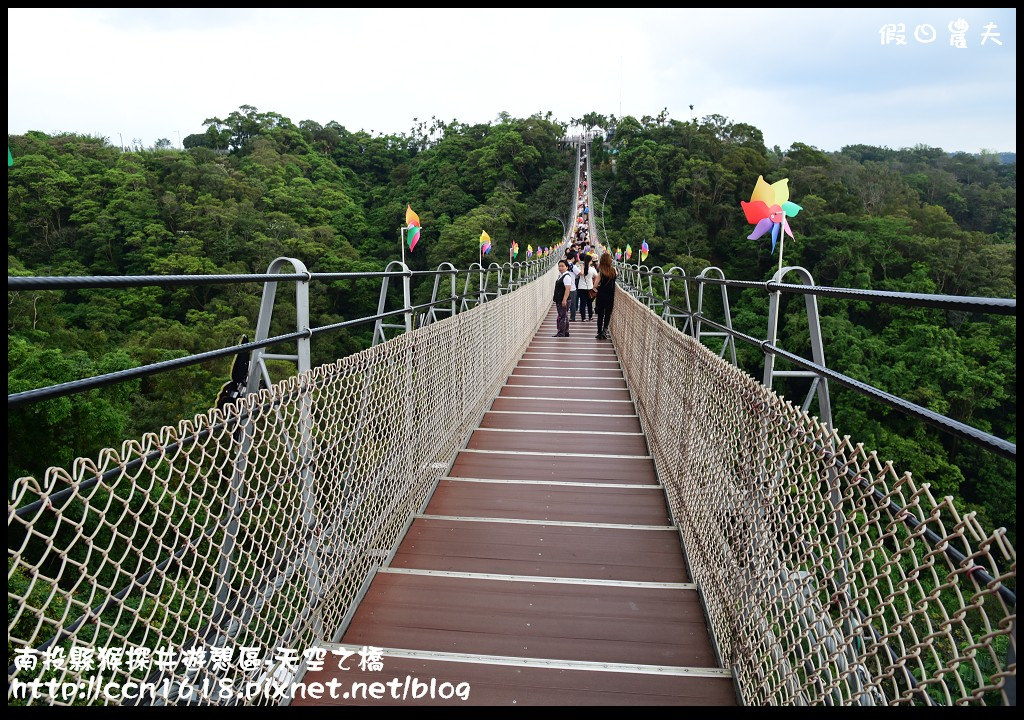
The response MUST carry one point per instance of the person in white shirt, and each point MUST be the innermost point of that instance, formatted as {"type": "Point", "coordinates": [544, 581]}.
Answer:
{"type": "Point", "coordinates": [573, 296]}
{"type": "Point", "coordinates": [561, 298]}
{"type": "Point", "coordinates": [587, 273]}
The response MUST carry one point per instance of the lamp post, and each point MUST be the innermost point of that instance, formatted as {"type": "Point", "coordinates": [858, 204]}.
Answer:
{"type": "Point", "coordinates": [560, 222]}
{"type": "Point", "coordinates": [603, 233]}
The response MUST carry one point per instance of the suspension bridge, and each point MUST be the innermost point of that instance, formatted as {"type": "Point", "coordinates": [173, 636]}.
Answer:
{"type": "Point", "coordinates": [474, 512]}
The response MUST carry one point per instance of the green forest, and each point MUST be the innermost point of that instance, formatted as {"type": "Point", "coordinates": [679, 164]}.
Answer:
{"type": "Point", "coordinates": [256, 186]}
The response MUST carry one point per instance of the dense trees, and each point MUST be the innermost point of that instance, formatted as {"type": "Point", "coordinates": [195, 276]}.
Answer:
{"type": "Point", "coordinates": [916, 220]}
{"type": "Point", "coordinates": [255, 186]}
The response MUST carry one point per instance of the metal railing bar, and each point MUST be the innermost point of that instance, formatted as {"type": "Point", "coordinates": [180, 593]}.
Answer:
{"type": "Point", "coordinates": [913, 522]}
{"type": "Point", "coordinates": [969, 303]}
{"type": "Point", "coordinates": [955, 427]}
{"type": "Point", "coordinates": [74, 282]}
{"type": "Point", "coordinates": [77, 386]}
{"type": "Point", "coordinates": [934, 539]}
{"type": "Point", "coordinates": [57, 499]}
{"type": "Point", "coordinates": [79, 282]}
{"type": "Point", "coordinates": [986, 440]}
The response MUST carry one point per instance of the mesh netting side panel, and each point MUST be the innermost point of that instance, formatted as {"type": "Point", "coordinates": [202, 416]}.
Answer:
{"type": "Point", "coordinates": [818, 590]}
{"type": "Point", "coordinates": [250, 529]}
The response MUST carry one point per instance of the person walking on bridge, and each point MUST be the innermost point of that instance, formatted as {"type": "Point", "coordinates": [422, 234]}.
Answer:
{"type": "Point", "coordinates": [584, 298]}
{"type": "Point", "coordinates": [605, 284]}
{"type": "Point", "coordinates": [563, 285]}
{"type": "Point", "coordinates": [570, 263]}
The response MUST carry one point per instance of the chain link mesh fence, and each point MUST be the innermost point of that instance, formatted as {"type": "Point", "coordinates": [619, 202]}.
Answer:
{"type": "Point", "coordinates": [828, 576]}
{"type": "Point", "coordinates": [217, 552]}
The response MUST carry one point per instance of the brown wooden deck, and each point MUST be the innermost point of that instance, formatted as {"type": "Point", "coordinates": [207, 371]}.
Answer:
{"type": "Point", "coordinates": [545, 569]}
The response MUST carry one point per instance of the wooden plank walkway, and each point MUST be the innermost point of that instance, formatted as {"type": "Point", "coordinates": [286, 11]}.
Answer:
{"type": "Point", "coordinates": [545, 569]}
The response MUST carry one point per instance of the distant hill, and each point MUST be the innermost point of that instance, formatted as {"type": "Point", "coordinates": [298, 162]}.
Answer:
{"type": "Point", "coordinates": [1005, 158]}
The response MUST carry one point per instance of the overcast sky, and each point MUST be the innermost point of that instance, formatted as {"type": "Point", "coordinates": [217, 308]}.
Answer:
{"type": "Point", "coordinates": [822, 77]}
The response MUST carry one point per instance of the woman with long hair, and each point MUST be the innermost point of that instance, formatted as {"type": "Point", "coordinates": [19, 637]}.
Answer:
{"type": "Point", "coordinates": [586, 282]}
{"type": "Point", "coordinates": [605, 284]}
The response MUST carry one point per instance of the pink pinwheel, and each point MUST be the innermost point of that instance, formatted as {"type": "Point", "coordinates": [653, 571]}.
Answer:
{"type": "Point", "coordinates": [768, 209]}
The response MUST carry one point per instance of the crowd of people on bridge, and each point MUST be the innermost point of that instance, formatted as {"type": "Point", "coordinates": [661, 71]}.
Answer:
{"type": "Point", "coordinates": [581, 280]}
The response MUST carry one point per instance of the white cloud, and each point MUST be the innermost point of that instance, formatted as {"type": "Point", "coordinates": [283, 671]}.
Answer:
{"type": "Point", "coordinates": [818, 76]}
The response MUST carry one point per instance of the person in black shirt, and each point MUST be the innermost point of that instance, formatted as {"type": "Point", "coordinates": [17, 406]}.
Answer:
{"type": "Point", "coordinates": [605, 284]}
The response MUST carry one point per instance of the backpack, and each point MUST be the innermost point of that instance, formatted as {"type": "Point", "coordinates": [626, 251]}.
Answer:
{"type": "Point", "coordinates": [559, 292]}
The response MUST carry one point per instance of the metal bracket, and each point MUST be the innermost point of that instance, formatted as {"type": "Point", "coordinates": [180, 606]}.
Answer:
{"type": "Point", "coordinates": [668, 313]}
{"type": "Point", "coordinates": [485, 292]}
{"type": "Point", "coordinates": [818, 384]}
{"type": "Point", "coordinates": [435, 310]}
{"type": "Point", "coordinates": [257, 365]}
{"type": "Point", "coordinates": [643, 271]}
{"type": "Point", "coordinates": [378, 328]}
{"type": "Point", "coordinates": [468, 299]}
{"type": "Point", "coordinates": [728, 340]}
{"type": "Point", "coordinates": [257, 370]}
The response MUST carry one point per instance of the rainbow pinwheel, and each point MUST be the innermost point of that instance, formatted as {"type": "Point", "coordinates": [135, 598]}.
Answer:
{"type": "Point", "coordinates": [515, 249]}
{"type": "Point", "coordinates": [485, 242]}
{"type": "Point", "coordinates": [529, 251]}
{"type": "Point", "coordinates": [768, 209]}
{"type": "Point", "coordinates": [644, 249]}
{"type": "Point", "coordinates": [618, 253]}
{"type": "Point", "coordinates": [629, 251]}
{"type": "Point", "coordinates": [412, 222]}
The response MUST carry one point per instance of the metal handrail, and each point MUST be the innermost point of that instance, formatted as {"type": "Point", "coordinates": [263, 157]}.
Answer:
{"type": "Point", "coordinates": [970, 303]}
{"type": "Point", "coordinates": [990, 442]}
{"type": "Point", "coordinates": [232, 420]}
{"type": "Point", "coordinates": [82, 282]}
{"type": "Point", "coordinates": [76, 386]}
{"type": "Point", "coordinates": [818, 591]}
{"type": "Point", "coordinates": [1002, 306]}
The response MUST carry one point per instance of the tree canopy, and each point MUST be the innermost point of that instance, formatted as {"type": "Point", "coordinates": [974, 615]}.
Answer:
{"type": "Point", "coordinates": [255, 186]}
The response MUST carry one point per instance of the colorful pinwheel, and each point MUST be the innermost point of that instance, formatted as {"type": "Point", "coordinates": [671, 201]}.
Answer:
{"type": "Point", "coordinates": [412, 223]}
{"type": "Point", "coordinates": [618, 253]}
{"type": "Point", "coordinates": [644, 249]}
{"type": "Point", "coordinates": [768, 209]}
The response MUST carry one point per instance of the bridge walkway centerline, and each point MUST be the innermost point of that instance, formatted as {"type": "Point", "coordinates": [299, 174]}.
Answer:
{"type": "Point", "coordinates": [545, 568]}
